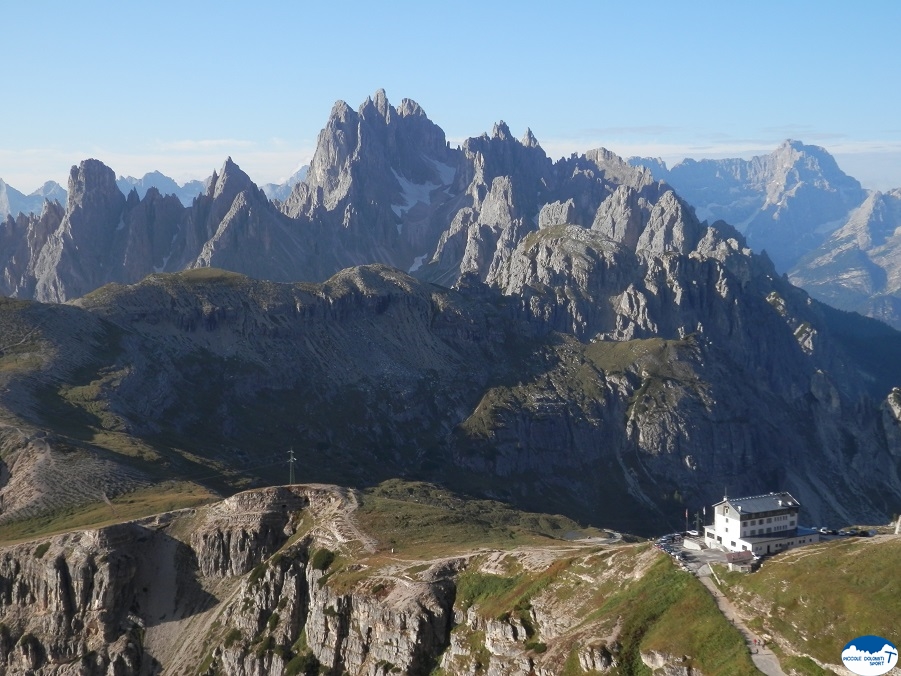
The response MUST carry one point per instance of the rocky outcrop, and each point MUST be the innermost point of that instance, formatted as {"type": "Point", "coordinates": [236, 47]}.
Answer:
{"type": "Point", "coordinates": [240, 532]}
{"type": "Point", "coordinates": [72, 261]}
{"type": "Point", "coordinates": [663, 664]}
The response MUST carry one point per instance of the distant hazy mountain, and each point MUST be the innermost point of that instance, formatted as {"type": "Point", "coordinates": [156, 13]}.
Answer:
{"type": "Point", "coordinates": [280, 191]}
{"type": "Point", "coordinates": [167, 186]}
{"type": "Point", "coordinates": [13, 202]}
{"type": "Point", "coordinates": [859, 267]}
{"type": "Point", "coordinates": [786, 203]}
{"type": "Point", "coordinates": [835, 240]}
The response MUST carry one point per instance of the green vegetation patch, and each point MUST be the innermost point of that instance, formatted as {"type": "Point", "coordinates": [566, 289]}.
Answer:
{"type": "Point", "coordinates": [654, 611]}
{"type": "Point", "coordinates": [322, 559]}
{"type": "Point", "coordinates": [164, 497]}
{"type": "Point", "coordinates": [416, 518]}
{"type": "Point", "coordinates": [821, 596]}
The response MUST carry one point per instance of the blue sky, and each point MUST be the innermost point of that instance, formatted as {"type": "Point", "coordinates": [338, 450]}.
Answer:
{"type": "Point", "coordinates": [180, 86]}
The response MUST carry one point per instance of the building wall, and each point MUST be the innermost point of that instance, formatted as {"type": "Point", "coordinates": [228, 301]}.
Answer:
{"type": "Point", "coordinates": [731, 527]}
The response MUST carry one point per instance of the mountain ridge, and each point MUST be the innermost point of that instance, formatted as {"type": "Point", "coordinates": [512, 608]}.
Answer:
{"type": "Point", "coordinates": [570, 334]}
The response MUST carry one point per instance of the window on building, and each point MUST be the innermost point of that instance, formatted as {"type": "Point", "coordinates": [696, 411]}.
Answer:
{"type": "Point", "coordinates": [769, 519]}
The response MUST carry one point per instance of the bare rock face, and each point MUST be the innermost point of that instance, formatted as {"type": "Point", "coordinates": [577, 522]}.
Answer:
{"type": "Point", "coordinates": [240, 532]}
{"type": "Point", "coordinates": [407, 628]}
{"type": "Point", "coordinates": [235, 227]}
{"type": "Point", "coordinates": [71, 600]}
{"type": "Point", "coordinates": [377, 188]}
{"type": "Point", "coordinates": [73, 260]}
{"type": "Point", "coordinates": [891, 421]}
{"type": "Point", "coordinates": [21, 242]}
{"type": "Point", "coordinates": [136, 598]}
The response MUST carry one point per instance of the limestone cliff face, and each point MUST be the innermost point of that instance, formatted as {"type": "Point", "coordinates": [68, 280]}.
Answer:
{"type": "Point", "coordinates": [152, 595]}
{"type": "Point", "coordinates": [72, 262]}
{"type": "Point", "coordinates": [247, 587]}
{"type": "Point", "coordinates": [21, 242]}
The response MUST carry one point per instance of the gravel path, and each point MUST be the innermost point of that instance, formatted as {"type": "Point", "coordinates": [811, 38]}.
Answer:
{"type": "Point", "coordinates": [763, 658]}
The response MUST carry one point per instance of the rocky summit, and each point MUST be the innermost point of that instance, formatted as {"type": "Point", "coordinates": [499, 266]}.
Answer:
{"type": "Point", "coordinates": [564, 335]}
{"type": "Point", "coordinates": [786, 203]}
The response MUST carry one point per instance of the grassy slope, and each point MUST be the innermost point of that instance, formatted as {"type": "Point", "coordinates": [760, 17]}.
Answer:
{"type": "Point", "coordinates": [817, 598]}
{"type": "Point", "coordinates": [648, 614]}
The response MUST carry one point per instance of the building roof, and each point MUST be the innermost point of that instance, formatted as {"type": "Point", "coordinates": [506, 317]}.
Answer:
{"type": "Point", "coordinates": [761, 503]}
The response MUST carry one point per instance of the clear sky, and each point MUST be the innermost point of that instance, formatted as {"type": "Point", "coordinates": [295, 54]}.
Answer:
{"type": "Point", "coordinates": [179, 86]}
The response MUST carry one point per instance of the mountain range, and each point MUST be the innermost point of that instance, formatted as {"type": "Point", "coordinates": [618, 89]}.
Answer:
{"type": "Point", "coordinates": [833, 238]}
{"type": "Point", "coordinates": [13, 202]}
{"type": "Point", "coordinates": [565, 335]}
{"type": "Point", "coordinates": [162, 183]}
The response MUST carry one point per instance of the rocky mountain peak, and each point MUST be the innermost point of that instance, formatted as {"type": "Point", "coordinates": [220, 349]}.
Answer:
{"type": "Point", "coordinates": [501, 131]}
{"type": "Point", "coordinates": [786, 203]}
{"type": "Point", "coordinates": [529, 140]}
{"type": "Point", "coordinates": [409, 108]}
{"type": "Point", "coordinates": [377, 107]}
{"type": "Point", "coordinates": [381, 103]}
{"type": "Point", "coordinates": [95, 183]}
{"type": "Point", "coordinates": [229, 181]}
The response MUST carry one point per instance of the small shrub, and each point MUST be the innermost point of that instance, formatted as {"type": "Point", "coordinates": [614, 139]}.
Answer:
{"type": "Point", "coordinates": [233, 635]}
{"type": "Point", "coordinates": [304, 664]}
{"type": "Point", "coordinates": [265, 646]}
{"type": "Point", "coordinates": [272, 622]}
{"type": "Point", "coordinates": [322, 559]}
{"type": "Point", "coordinates": [41, 550]}
{"type": "Point", "coordinates": [257, 573]}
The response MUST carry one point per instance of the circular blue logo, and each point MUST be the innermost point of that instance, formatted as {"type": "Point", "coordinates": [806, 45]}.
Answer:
{"type": "Point", "coordinates": [870, 655]}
